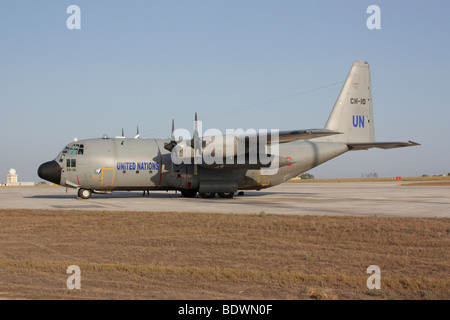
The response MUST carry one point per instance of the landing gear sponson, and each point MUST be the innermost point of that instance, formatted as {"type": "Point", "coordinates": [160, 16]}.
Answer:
{"type": "Point", "coordinates": [86, 194]}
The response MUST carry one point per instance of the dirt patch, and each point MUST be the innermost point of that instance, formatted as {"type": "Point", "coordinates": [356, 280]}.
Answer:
{"type": "Point", "coordinates": [152, 255]}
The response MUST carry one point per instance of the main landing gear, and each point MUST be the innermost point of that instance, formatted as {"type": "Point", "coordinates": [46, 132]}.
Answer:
{"type": "Point", "coordinates": [225, 194]}
{"type": "Point", "coordinates": [209, 195]}
{"type": "Point", "coordinates": [188, 193]}
{"type": "Point", "coordinates": [206, 195]}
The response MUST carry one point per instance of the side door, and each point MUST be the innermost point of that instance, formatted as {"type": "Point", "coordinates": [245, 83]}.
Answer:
{"type": "Point", "coordinates": [107, 177]}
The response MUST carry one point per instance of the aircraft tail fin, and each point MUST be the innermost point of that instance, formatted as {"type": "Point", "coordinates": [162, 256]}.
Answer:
{"type": "Point", "coordinates": [352, 114]}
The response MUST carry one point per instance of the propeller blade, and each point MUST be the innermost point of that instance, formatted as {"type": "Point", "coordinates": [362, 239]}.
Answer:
{"type": "Point", "coordinates": [195, 168]}
{"type": "Point", "coordinates": [197, 145]}
{"type": "Point", "coordinates": [172, 137]}
{"type": "Point", "coordinates": [195, 125]}
{"type": "Point", "coordinates": [170, 145]}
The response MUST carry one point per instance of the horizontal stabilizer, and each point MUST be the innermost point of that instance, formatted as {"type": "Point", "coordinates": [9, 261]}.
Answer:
{"type": "Point", "coordinates": [381, 145]}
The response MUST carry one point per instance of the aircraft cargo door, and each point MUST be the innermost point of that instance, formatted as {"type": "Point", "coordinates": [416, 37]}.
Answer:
{"type": "Point", "coordinates": [107, 177]}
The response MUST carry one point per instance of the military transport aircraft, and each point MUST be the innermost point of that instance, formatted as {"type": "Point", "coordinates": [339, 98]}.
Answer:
{"type": "Point", "coordinates": [106, 164]}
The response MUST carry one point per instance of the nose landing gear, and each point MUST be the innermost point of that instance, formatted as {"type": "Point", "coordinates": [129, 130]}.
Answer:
{"type": "Point", "coordinates": [84, 193]}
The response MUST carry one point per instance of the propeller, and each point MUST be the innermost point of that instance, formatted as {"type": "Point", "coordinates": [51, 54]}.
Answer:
{"type": "Point", "coordinates": [197, 145]}
{"type": "Point", "coordinates": [170, 145]}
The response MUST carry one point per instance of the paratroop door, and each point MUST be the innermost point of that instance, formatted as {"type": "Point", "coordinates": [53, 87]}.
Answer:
{"type": "Point", "coordinates": [107, 177]}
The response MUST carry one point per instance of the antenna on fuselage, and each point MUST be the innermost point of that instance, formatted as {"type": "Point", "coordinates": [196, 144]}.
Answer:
{"type": "Point", "coordinates": [137, 133]}
{"type": "Point", "coordinates": [123, 135]}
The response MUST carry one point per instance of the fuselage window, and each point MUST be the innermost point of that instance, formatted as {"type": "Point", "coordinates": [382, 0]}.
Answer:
{"type": "Point", "coordinates": [71, 163]}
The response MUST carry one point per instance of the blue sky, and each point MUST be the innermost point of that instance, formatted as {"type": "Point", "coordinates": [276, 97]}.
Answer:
{"type": "Point", "coordinates": [142, 63]}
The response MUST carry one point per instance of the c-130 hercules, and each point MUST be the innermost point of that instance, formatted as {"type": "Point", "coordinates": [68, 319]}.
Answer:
{"type": "Point", "coordinates": [108, 164]}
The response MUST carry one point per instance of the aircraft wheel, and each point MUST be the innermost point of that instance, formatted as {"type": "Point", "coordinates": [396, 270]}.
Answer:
{"type": "Point", "coordinates": [188, 193]}
{"type": "Point", "coordinates": [208, 195]}
{"type": "Point", "coordinates": [84, 193]}
{"type": "Point", "coordinates": [226, 194]}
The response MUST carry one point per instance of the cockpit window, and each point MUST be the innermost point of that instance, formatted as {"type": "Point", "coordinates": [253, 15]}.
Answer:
{"type": "Point", "coordinates": [63, 153]}
{"type": "Point", "coordinates": [75, 149]}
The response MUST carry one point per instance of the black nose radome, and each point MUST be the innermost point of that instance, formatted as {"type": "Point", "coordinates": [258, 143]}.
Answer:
{"type": "Point", "coordinates": [50, 171]}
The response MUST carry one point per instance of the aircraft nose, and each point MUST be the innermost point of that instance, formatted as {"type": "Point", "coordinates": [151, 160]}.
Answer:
{"type": "Point", "coordinates": [50, 171]}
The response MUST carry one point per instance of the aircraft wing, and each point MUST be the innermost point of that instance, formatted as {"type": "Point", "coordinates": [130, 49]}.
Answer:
{"type": "Point", "coordinates": [381, 145]}
{"type": "Point", "coordinates": [294, 135]}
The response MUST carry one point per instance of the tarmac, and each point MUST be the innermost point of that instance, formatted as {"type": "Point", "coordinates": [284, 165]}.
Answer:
{"type": "Point", "coordinates": [339, 199]}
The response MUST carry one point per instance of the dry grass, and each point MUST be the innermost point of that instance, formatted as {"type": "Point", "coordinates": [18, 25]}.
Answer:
{"type": "Point", "coordinates": [151, 255]}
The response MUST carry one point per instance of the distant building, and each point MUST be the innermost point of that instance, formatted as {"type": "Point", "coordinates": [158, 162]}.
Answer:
{"type": "Point", "coordinates": [13, 179]}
